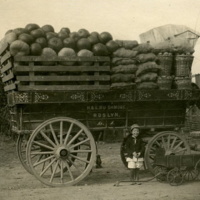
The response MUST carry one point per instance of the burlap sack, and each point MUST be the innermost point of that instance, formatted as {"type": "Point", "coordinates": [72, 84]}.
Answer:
{"type": "Point", "coordinates": [147, 85]}
{"type": "Point", "coordinates": [123, 61]}
{"type": "Point", "coordinates": [123, 85]}
{"type": "Point", "coordinates": [143, 48]}
{"type": "Point", "coordinates": [150, 76]}
{"type": "Point", "coordinates": [124, 69]}
{"type": "Point", "coordinates": [125, 53]}
{"type": "Point", "coordinates": [117, 78]}
{"type": "Point", "coordinates": [142, 58]}
{"type": "Point", "coordinates": [127, 44]}
{"type": "Point", "coordinates": [147, 67]}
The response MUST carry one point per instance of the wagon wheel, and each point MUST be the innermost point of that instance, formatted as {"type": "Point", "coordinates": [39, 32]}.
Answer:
{"type": "Point", "coordinates": [21, 145]}
{"type": "Point", "coordinates": [175, 177]}
{"type": "Point", "coordinates": [67, 152]}
{"type": "Point", "coordinates": [161, 173]}
{"type": "Point", "coordinates": [190, 174]}
{"type": "Point", "coordinates": [164, 143]}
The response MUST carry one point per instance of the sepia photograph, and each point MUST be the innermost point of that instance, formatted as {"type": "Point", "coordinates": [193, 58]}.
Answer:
{"type": "Point", "coordinates": [99, 99]}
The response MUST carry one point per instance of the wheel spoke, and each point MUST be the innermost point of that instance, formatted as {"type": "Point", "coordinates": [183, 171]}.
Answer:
{"type": "Point", "coordinates": [68, 133]}
{"type": "Point", "coordinates": [43, 145]}
{"type": "Point", "coordinates": [76, 157]}
{"type": "Point", "coordinates": [42, 153]}
{"type": "Point", "coordinates": [54, 171]}
{"type": "Point", "coordinates": [44, 160]}
{"type": "Point", "coordinates": [79, 143]}
{"type": "Point", "coordinates": [168, 142]}
{"type": "Point", "coordinates": [157, 143]}
{"type": "Point", "coordinates": [70, 173]}
{"type": "Point", "coordinates": [43, 165]}
{"type": "Point", "coordinates": [80, 151]}
{"type": "Point", "coordinates": [175, 138]}
{"type": "Point", "coordinates": [61, 132]}
{"type": "Point", "coordinates": [75, 136]}
{"type": "Point", "coordinates": [178, 145]}
{"type": "Point", "coordinates": [61, 171]}
{"type": "Point", "coordinates": [153, 148]}
{"type": "Point", "coordinates": [181, 150]}
{"type": "Point", "coordinates": [47, 167]}
{"type": "Point", "coordinates": [163, 142]}
{"type": "Point", "coordinates": [53, 133]}
{"type": "Point", "coordinates": [74, 165]}
{"type": "Point", "coordinates": [47, 138]}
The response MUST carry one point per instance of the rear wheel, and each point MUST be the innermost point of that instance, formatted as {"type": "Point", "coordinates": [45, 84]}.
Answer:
{"type": "Point", "coordinates": [66, 154]}
{"type": "Point", "coordinates": [165, 143]}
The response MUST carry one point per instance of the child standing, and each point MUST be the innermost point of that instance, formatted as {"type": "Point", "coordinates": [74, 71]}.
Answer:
{"type": "Point", "coordinates": [135, 152]}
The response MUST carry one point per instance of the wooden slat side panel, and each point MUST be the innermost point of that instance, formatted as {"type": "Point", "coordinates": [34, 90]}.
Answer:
{"type": "Point", "coordinates": [5, 57]}
{"type": "Point", "coordinates": [61, 87]}
{"type": "Point", "coordinates": [3, 46]}
{"type": "Point", "coordinates": [6, 67]}
{"type": "Point", "coordinates": [64, 78]}
{"type": "Point", "coordinates": [60, 68]}
{"type": "Point", "coordinates": [8, 77]}
{"type": "Point", "coordinates": [56, 58]}
{"type": "Point", "coordinates": [10, 87]}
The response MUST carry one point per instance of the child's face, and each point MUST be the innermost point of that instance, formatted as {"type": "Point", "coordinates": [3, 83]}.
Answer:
{"type": "Point", "coordinates": [135, 132]}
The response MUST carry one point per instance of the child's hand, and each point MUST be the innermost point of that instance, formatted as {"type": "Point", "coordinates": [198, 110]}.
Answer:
{"type": "Point", "coordinates": [138, 155]}
{"type": "Point", "coordinates": [134, 154]}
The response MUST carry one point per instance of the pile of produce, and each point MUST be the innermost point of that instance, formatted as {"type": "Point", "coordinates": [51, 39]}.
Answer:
{"type": "Point", "coordinates": [35, 40]}
{"type": "Point", "coordinates": [133, 65]}
{"type": "Point", "coordinates": [124, 65]}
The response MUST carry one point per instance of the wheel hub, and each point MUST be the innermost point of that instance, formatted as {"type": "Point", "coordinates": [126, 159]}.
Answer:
{"type": "Point", "coordinates": [61, 152]}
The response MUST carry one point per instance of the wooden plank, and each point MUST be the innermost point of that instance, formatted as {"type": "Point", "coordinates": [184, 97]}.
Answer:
{"type": "Point", "coordinates": [31, 74]}
{"type": "Point", "coordinates": [6, 67]}
{"type": "Point", "coordinates": [10, 87]}
{"type": "Point", "coordinates": [64, 78]}
{"type": "Point", "coordinates": [3, 46]}
{"type": "Point", "coordinates": [8, 77]}
{"type": "Point", "coordinates": [60, 68]}
{"type": "Point", "coordinates": [56, 58]}
{"type": "Point", "coordinates": [62, 87]}
{"type": "Point", "coordinates": [5, 57]}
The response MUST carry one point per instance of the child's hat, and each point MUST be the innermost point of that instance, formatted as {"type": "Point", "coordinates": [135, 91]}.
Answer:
{"type": "Point", "coordinates": [134, 126]}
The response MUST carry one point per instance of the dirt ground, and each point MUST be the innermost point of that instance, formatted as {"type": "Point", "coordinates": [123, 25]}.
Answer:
{"type": "Point", "coordinates": [17, 184]}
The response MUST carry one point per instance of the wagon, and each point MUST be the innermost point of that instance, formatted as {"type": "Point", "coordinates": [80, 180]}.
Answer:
{"type": "Point", "coordinates": [177, 168]}
{"type": "Point", "coordinates": [55, 109]}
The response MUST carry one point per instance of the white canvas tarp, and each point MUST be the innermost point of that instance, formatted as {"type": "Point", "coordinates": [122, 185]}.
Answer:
{"type": "Point", "coordinates": [171, 31]}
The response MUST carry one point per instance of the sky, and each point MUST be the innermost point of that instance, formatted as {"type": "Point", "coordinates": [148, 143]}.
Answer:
{"type": "Point", "coordinates": [124, 19]}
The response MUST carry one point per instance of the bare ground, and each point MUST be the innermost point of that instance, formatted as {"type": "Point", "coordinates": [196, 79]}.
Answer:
{"type": "Point", "coordinates": [17, 184]}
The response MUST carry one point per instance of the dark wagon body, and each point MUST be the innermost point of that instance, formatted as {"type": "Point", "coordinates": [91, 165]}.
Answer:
{"type": "Point", "coordinates": [177, 168]}
{"type": "Point", "coordinates": [55, 107]}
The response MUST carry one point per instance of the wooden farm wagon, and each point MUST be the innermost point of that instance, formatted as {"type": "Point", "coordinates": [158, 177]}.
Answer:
{"type": "Point", "coordinates": [55, 108]}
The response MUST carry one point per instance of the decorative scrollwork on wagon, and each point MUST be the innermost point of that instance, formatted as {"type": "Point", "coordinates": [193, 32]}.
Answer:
{"type": "Point", "coordinates": [39, 97]}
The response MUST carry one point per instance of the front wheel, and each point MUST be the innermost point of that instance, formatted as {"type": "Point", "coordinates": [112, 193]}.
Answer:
{"type": "Point", "coordinates": [61, 152]}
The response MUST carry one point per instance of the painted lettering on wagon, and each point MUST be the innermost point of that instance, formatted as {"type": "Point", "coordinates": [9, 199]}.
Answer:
{"type": "Point", "coordinates": [106, 107]}
{"type": "Point", "coordinates": [106, 115]}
